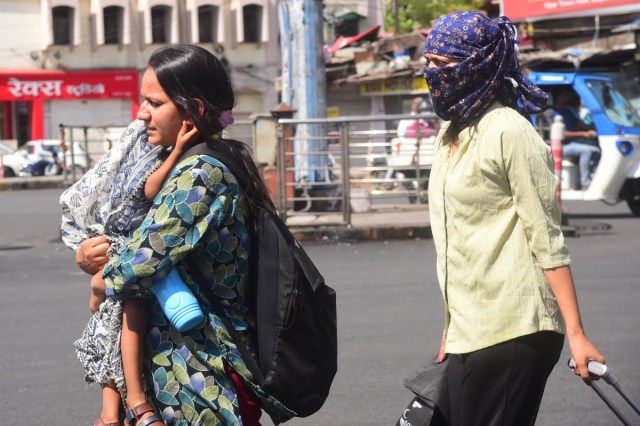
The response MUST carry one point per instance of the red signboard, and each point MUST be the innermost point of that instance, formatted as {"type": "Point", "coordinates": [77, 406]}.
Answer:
{"type": "Point", "coordinates": [39, 86]}
{"type": "Point", "coordinates": [26, 85]}
{"type": "Point", "coordinates": [520, 10]}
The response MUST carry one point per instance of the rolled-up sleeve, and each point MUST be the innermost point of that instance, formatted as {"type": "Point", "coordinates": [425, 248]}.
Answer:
{"type": "Point", "coordinates": [496, 226]}
{"type": "Point", "coordinates": [528, 164]}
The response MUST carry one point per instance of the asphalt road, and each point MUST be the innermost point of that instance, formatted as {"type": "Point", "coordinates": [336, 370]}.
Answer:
{"type": "Point", "coordinates": [390, 318]}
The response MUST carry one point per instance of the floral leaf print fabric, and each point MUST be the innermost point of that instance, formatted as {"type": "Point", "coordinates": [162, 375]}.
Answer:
{"type": "Point", "coordinates": [198, 219]}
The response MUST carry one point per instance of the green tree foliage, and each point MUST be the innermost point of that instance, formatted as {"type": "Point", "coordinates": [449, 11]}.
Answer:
{"type": "Point", "coordinates": [418, 14]}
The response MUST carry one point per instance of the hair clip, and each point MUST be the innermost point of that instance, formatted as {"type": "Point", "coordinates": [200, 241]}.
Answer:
{"type": "Point", "coordinates": [226, 118]}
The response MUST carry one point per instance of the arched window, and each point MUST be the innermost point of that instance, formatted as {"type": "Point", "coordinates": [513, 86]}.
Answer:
{"type": "Point", "coordinates": [208, 16]}
{"type": "Point", "coordinates": [62, 20]}
{"type": "Point", "coordinates": [160, 24]}
{"type": "Point", "coordinates": [252, 23]}
{"type": "Point", "coordinates": [113, 24]}
{"type": "Point", "coordinates": [61, 25]}
{"type": "Point", "coordinates": [160, 21]}
{"type": "Point", "coordinates": [206, 21]}
{"type": "Point", "coordinates": [112, 21]}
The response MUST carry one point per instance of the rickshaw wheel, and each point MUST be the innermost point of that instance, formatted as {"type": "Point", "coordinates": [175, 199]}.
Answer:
{"type": "Point", "coordinates": [634, 205]}
{"type": "Point", "coordinates": [631, 191]}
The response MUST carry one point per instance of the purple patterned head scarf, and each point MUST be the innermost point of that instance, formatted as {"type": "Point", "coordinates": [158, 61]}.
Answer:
{"type": "Point", "coordinates": [488, 68]}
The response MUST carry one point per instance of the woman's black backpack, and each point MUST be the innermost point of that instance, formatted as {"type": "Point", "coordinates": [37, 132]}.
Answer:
{"type": "Point", "coordinates": [295, 311]}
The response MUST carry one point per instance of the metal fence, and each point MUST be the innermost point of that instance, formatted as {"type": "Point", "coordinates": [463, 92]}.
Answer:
{"type": "Point", "coordinates": [333, 166]}
{"type": "Point", "coordinates": [348, 164]}
{"type": "Point", "coordinates": [83, 146]}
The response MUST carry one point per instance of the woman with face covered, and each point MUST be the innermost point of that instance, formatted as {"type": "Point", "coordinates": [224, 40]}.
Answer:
{"type": "Point", "coordinates": [502, 263]}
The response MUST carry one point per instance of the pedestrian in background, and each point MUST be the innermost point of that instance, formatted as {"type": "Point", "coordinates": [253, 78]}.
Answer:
{"type": "Point", "coordinates": [408, 127]}
{"type": "Point", "coordinates": [502, 262]}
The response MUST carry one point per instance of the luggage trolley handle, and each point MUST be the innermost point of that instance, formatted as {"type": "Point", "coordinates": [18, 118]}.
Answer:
{"type": "Point", "coordinates": [598, 369]}
{"type": "Point", "coordinates": [601, 370]}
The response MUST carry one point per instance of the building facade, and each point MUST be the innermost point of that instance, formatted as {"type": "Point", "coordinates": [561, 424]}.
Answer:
{"type": "Point", "coordinates": [78, 62]}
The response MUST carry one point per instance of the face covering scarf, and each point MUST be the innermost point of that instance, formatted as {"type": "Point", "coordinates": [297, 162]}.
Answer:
{"type": "Point", "coordinates": [486, 49]}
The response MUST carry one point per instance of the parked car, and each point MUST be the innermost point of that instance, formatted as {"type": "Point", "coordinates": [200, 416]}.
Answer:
{"type": "Point", "coordinates": [37, 150]}
{"type": "Point", "coordinates": [11, 160]}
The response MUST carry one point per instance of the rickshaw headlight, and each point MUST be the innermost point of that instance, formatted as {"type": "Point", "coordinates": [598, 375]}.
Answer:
{"type": "Point", "coordinates": [625, 148]}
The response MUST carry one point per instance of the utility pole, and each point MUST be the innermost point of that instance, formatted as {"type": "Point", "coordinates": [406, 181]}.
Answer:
{"type": "Point", "coordinates": [396, 19]}
{"type": "Point", "coordinates": [286, 47]}
{"type": "Point", "coordinates": [304, 82]}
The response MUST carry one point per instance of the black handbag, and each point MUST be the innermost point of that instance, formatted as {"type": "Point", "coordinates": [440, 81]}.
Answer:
{"type": "Point", "coordinates": [430, 404]}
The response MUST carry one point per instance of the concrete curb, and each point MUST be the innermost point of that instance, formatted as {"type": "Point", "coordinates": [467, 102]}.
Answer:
{"type": "Point", "coordinates": [18, 183]}
{"type": "Point", "coordinates": [406, 227]}
{"type": "Point", "coordinates": [390, 223]}
{"type": "Point", "coordinates": [370, 233]}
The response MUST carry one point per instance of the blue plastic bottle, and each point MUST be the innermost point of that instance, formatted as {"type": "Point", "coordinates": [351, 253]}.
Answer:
{"type": "Point", "coordinates": [177, 301]}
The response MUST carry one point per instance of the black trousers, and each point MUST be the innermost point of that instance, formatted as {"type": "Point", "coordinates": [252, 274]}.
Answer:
{"type": "Point", "coordinates": [502, 384]}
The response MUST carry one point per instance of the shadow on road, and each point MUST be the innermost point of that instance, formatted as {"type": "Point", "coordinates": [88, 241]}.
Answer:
{"type": "Point", "coordinates": [10, 248]}
{"type": "Point", "coordinates": [601, 216]}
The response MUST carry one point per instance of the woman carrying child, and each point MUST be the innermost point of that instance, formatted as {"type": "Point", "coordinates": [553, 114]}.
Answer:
{"type": "Point", "coordinates": [201, 219]}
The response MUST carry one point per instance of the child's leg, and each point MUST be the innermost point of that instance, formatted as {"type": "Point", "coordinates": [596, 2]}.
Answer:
{"type": "Point", "coordinates": [135, 318]}
{"type": "Point", "coordinates": [111, 403]}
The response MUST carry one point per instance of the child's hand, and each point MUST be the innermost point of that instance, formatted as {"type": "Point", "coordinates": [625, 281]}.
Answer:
{"type": "Point", "coordinates": [187, 137]}
{"type": "Point", "coordinates": [92, 254]}
{"type": "Point", "coordinates": [98, 292]}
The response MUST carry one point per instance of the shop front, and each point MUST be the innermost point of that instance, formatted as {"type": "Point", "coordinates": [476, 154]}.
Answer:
{"type": "Point", "coordinates": [395, 95]}
{"type": "Point", "coordinates": [33, 103]}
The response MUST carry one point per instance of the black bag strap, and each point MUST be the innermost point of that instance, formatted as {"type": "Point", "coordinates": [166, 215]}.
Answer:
{"type": "Point", "coordinates": [219, 149]}
{"type": "Point", "coordinates": [223, 153]}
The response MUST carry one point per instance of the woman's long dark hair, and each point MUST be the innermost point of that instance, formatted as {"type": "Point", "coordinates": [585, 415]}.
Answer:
{"type": "Point", "coordinates": [198, 84]}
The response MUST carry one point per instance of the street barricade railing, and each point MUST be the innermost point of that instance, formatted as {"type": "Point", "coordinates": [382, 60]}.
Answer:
{"type": "Point", "coordinates": [322, 168]}
{"type": "Point", "coordinates": [82, 146]}
{"type": "Point", "coordinates": [346, 164]}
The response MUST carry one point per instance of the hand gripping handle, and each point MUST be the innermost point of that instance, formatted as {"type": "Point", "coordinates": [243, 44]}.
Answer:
{"type": "Point", "coordinates": [597, 369]}
{"type": "Point", "coordinates": [603, 371]}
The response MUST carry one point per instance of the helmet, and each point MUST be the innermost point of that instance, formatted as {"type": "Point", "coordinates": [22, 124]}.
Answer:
{"type": "Point", "coordinates": [424, 106]}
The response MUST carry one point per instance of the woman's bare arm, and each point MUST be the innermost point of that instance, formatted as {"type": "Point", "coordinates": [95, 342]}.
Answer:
{"type": "Point", "coordinates": [582, 350]}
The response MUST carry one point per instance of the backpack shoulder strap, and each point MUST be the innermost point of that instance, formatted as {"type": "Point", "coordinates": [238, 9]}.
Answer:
{"type": "Point", "coordinates": [220, 150]}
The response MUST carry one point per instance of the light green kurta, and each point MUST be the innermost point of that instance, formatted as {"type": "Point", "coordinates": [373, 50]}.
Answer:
{"type": "Point", "coordinates": [496, 226]}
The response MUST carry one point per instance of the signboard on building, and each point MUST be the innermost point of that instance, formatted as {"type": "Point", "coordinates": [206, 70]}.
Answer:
{"type": "Point", "coordinates": [23, 85]}
{"type": "Point", "coordinates": [27, 92]}
{"type": "Point", "coordinates": [395, 86]}
{"type": "Point", "coordinates": [520, 10]}
{"type": "Point", "coordinates": [333, 112]}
